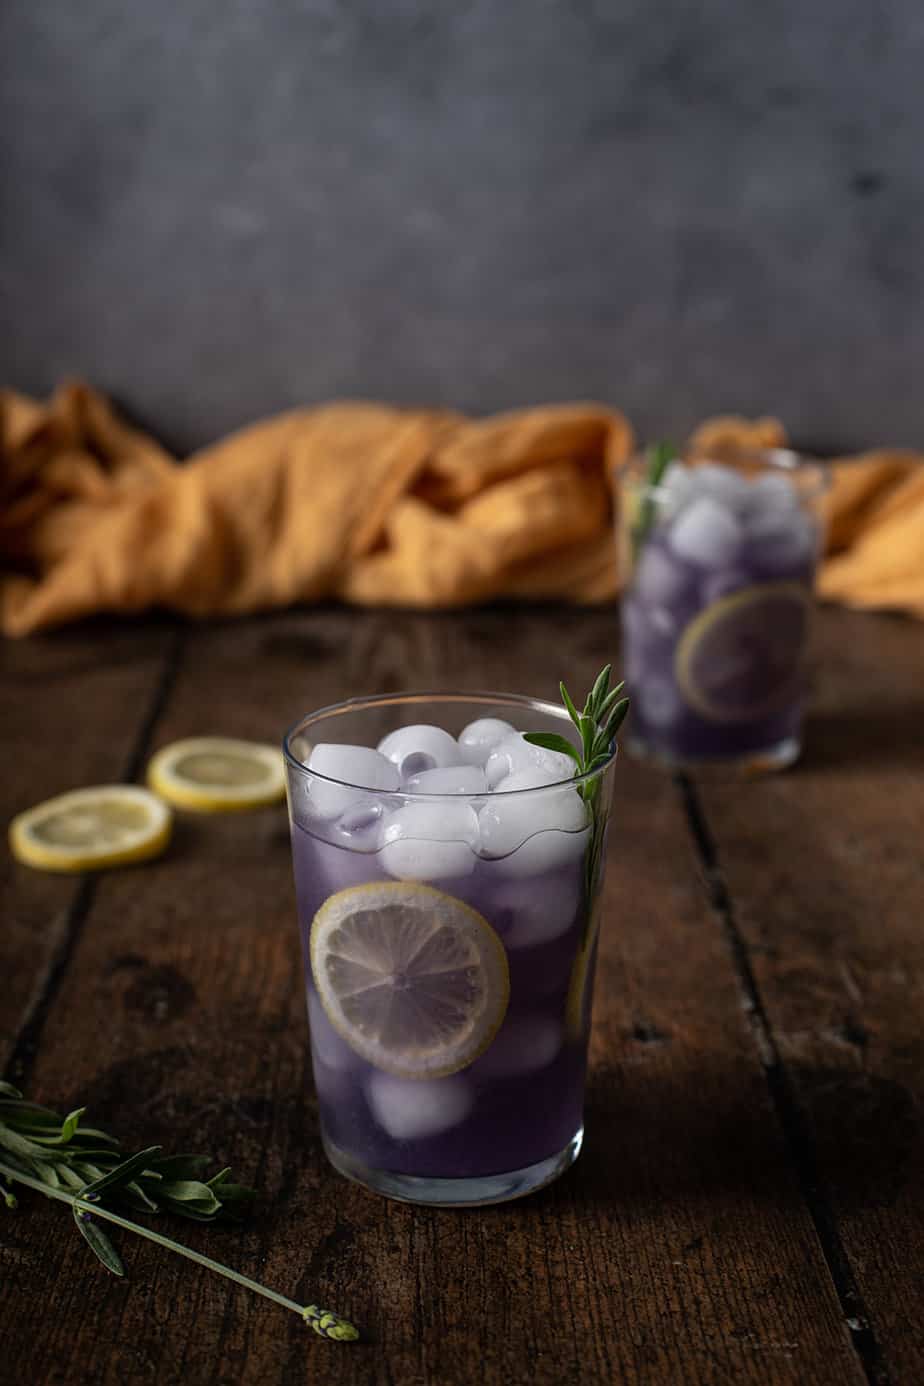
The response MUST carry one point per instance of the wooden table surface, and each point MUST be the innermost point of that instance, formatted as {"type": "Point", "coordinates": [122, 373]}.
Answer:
{"type": "Point", "coordinates": [748, 1207]}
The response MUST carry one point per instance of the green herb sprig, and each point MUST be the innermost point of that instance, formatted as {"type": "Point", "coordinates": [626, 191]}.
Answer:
{"type": "Point", "coordinates": [604, 712]}
{"type": "Point", "coordinates": [83, 1166]}
{"type": "Point", "coordinates": [603, 715]}
{"type": "Point", "coordinates": [658, 459]}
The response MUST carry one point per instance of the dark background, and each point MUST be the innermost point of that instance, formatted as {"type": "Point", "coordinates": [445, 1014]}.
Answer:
{"type": "Point", "coordinates": [215, 209]}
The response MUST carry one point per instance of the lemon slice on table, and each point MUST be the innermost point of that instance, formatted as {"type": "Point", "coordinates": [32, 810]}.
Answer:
{"type": "Point", "coordinates": [89, 829]}
{"type": "Point", "coordinates": [741, 657]}
{"type": "Point", "coordinates": [415, 981]}
{"type": "Point", "coordinates": [216, 774]}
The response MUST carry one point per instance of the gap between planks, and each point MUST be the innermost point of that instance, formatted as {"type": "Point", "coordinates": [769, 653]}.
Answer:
{"type": "Point", "coordinates": [796, 1134]}
{"type": "Point", "coordinates": [25, 1046]}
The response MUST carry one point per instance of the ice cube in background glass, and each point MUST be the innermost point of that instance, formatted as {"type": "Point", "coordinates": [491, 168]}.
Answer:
{"type": "Point", "coordinates": [772, 489]}
{"type": "Point", "coordinates": [724, 582]}
{"type": "Point", "coordinates": [430, 842]}
{"type": "Point", "coordinates": [450, 779]}
{"type": "Point", "coordinates": [533, 832]}
{"type": "Point", "coordinates": [658, 701]}
{"type": "Point", "coordinates": [522, 1045]}
{"type": "Point", "coordinates": [514, 754]}
{"type": "Point", "coordinates": [478, 739]}
{"type": "Point", "coordinates": [675, 490]}
{"type": "Point", "coordinates": [724, 484]}
{"type": "Point", "coordinates": [412, 1109]}
{"type": "Point", "coordinates": [780, 540]}
{"type": "Point", "coordinates": [422, 739]}
{"type": "Point", "coordinates": [541, 909]}
{"type": "Point", "coordinates": [357, 766]}
{"type": "Point", "coordinates": [706, 534]}
{"type": "Point", "coordinates": [660, 580]}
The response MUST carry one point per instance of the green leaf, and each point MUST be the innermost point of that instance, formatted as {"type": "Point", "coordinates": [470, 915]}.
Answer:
{"type": "Point", "coordinates": [609, 701]}
{"type": "Point", "coordinates": [569, 705]}
{"type": "Point", "coordinates": [9, 1091]}
{"type": "Point", "coordinates": [598, 692]}
{"type": "Point", "coordinates": [180, 1166]}
{"type": "Point", "coordinates": [123, 1173]}
{"type": "Point", "coordinates": [617, 717]}
{"type": "Point", "coordinates": [588, 734]}
{"type": "Point", "coordinates": [551, 741]}
{"type": "Point", "coordinates": [99, 1243]}
{"type": "Point", "coordinates": [190, 1196]}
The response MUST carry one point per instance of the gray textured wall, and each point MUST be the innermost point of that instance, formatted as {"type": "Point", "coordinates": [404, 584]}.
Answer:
{"type": "Point", "coordinates": [216, 208]}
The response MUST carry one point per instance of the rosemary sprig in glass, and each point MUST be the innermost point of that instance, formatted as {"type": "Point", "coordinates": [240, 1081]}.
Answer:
{"type": "Point", "coordinates": [604, 713]}
{"type": "Point", "coordinates": [658, 458]}
{"type": "Point", "coordinates": [83, 1166]}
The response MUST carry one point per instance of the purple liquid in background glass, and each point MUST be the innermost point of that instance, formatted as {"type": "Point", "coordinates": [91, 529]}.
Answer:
{"type": "Point", "coordinates": [515, 1119]}
{"type": "Point", "coordinates": [662, 600]}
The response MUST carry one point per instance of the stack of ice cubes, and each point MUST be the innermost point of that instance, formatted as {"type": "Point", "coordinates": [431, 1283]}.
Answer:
{"type": "Point", "coordinates": [430, 805]}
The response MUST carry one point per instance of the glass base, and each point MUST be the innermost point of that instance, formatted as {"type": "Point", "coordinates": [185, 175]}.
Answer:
{"type": "Point", "coordinates": [457, 1193]}
{"type": "Point", "coordinates": [742, 765]}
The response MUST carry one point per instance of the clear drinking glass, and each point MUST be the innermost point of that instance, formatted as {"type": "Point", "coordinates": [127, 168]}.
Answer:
{"type": "Point", "coordinates": [718, 565]}
{"type": "Point", "coordinates": [449, 941]}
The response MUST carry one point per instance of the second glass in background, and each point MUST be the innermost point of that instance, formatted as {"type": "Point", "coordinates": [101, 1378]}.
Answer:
{"type": "Point", "coordinates": [718, 565]}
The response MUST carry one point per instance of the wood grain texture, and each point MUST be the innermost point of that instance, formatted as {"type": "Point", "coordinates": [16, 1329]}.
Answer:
{"type": "Point", "coordinates": [72, 709]}
{"type": "Point", "coordinates": [680, 1249]}
{"type": "Point", "coordinates": [825, 872]}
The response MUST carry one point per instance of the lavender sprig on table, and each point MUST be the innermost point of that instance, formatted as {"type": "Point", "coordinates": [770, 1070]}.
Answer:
{"type": "Point", "coordinates": [83, 1166]}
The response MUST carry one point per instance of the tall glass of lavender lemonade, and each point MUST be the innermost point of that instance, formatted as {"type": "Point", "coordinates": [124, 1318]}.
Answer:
{"type": "Point", "coordinates": [447, 876]}
{"type": "Point", "coordinates": [718, 562]}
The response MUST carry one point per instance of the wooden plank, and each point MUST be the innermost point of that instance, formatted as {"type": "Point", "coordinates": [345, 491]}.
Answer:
{"type": "Point", "coordinates": [678, 1249]}
{"type": "Point", "coordinates": [72, 708]}
{"type": "Point", "coordinates": [825, 871]}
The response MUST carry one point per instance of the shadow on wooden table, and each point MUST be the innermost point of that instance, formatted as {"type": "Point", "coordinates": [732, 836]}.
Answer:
{"type": "Point", "coordinates": [865, 736]}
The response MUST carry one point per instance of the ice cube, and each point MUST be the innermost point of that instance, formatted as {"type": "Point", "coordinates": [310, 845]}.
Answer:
{"type": "Point", "coordinates": [422, 739]}
{"type": "Point", "coordinates": [359, 826]}
{"type": "Point", "coordinates": [539, 910]}
{"type": "Point", "coordinates": [430, 842]}
{"type": "Point", "coordinates": [522, 1045]}
{"type": "Point", "coordinates": [412, 1109]}
{"type": "Point", "coordinates": [479, 738]}
{"type": "Point", "coordinates": [781, 538]}
{"type": "Point", "coordinates": [723, 583]}
{"type": "Point", "coordinates": [327, 1047]}
{"type": "Point", "coordinates": [416, 763]}
{"type": "Point", "coordinates": [450, 779]}
{"type": "Point", "coordinates": [660, 580]}
{"type": "Point", "coordinates": [724, 484]}
{"type": "Point", "coordinates": [706, 534]}
{"type": "Point", "coordinates": [514, 754]}
{"type": "Point", "coordinates": [658, 701]}
{"type": "Point", "coordinates": [675, 490]}
{"type": "Point", "coordinates": [772, 490]}
{"type": "Point", "coordinates": [357, 766]}
{"type": "Point", "coordinates": [533, 832]}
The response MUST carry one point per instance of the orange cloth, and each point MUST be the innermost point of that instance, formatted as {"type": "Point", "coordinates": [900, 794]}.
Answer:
{"type": "Point", "coordinates": [369, 504]}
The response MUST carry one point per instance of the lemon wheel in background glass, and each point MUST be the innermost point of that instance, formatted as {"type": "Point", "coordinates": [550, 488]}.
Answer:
{"type": "Point", "coordinates": [741, 658]}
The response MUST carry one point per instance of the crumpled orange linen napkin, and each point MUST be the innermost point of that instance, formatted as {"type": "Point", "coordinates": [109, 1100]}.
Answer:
{"type": "Point", "coordinates": [367, 504]}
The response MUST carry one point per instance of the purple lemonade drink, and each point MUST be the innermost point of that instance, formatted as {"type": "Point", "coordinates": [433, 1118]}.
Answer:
{"type": "Point", "coordinates": [719, 563]}
{"type": "Point", "coordinates": [446, 876]}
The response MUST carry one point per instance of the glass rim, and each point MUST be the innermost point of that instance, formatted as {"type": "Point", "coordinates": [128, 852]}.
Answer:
{"type": "Point", "coordinates": [774, 459]}
{"type": "Point", "coordinates": [520, 700]}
